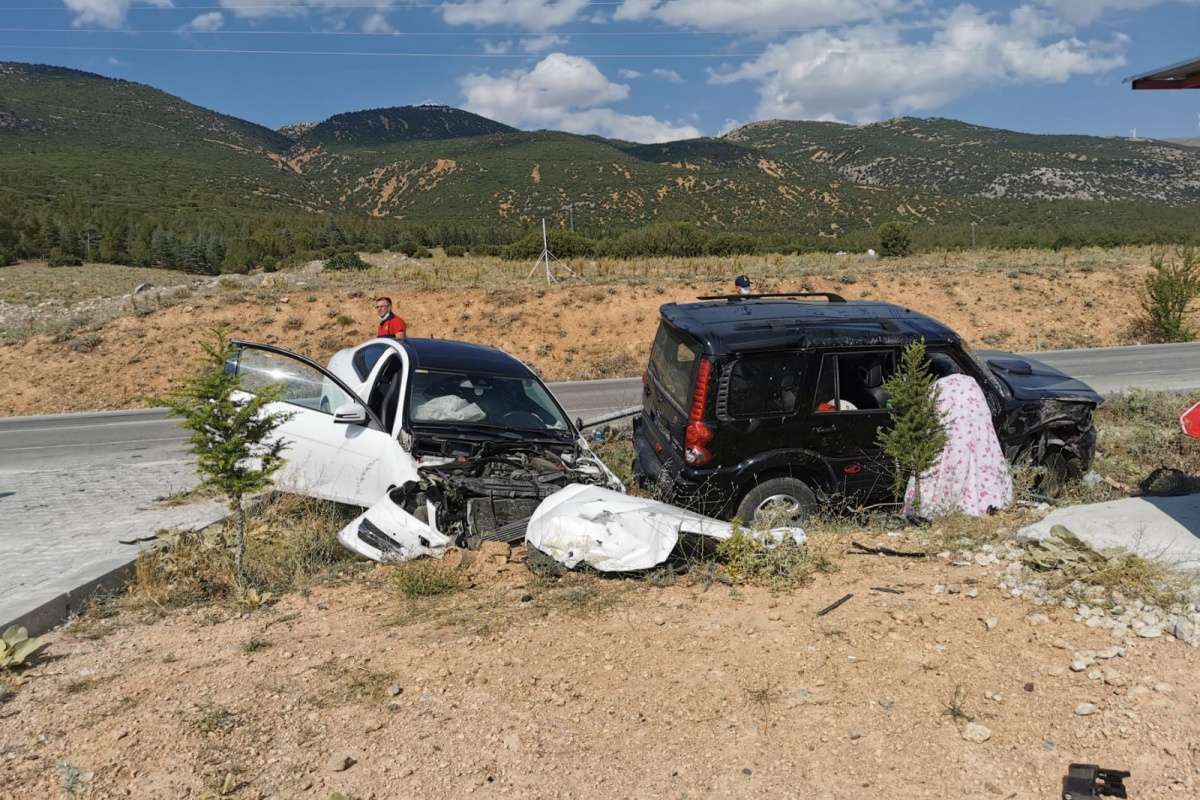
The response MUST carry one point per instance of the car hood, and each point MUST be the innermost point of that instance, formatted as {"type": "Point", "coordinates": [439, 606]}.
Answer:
{"type": "Point", "coordinates": [1030, 379]}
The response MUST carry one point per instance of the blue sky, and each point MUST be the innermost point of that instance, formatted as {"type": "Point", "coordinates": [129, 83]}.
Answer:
{"type": "Point", "coordinates": [647, 70]}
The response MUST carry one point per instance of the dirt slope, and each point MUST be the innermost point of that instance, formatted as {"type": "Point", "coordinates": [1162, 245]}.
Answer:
{"type": "Point", "coordinates": [571, 332]}
{"type": "Point", "coordinates": [605, 689]}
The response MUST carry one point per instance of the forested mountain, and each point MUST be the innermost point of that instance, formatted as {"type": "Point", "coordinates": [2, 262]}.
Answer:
{"type": "Point", "coordinates": [108, 161]}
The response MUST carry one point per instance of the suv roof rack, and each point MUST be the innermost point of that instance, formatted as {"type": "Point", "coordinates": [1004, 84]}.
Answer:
{"type": "Point", "coordinates": [830, 296]}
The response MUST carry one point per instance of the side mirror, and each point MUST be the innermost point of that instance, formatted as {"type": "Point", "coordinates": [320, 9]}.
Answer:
{"type": "Point", "coordinates": [350, 414]}
{"type": "Point", "coordinates": [579, 424]}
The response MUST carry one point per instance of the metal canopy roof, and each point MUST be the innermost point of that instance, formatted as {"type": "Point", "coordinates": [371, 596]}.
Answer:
{"type": "Point", "coordinates": [1184, 75]}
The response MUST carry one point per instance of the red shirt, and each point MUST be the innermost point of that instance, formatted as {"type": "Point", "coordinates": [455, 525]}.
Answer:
{"type": "Point", "coordinates": [392, 326]}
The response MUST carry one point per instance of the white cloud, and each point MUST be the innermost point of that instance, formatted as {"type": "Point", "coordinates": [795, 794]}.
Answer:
{"type": "Point", "coordinates": [540, 44]}
{"type": "Point", "coordinates": [106, 13]}
{"type": "Point", "coordinates": [629, 74]}
{"type": "Point", "coordinates": [211, 21]}
{"type": "Point", "coordinates": [1084, 12]}
{"type": "Point", "coordinates": [867, 72]}
{"type": "Point", "coordinates": [756, 15]}
{"type": "Point", "coordinates": [566, 93]}
{"type": "Point", "coordinates": [282, 8]}
{"type": "Point", "coordinates": [497, 48]}
{"type": "Point", "coordinates": [537, 15]}
{"type": "Point", "coordinates": [377, 23]}
{"type": "Point", "coordinates": [668, 75]}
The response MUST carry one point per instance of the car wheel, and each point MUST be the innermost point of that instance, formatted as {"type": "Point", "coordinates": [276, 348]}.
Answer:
{"type": "Point", "coordinates": [782, 500]}
{"type": "Point", "coordinates": [1061, 470]}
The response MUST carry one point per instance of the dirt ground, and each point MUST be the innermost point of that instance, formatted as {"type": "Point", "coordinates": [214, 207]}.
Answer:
{"type": "Point", "coordinates": [599, 326]}
{"type": "Point", "coordinates": [614, 688]}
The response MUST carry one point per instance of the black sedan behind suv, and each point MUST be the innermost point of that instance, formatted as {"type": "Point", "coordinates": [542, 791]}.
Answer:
{"type": "Point", "coordinates": [752, 401]}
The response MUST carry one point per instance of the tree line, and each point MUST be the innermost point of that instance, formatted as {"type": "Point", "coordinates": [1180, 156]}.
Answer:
{"type": "Point", "coordinates": [72, 231]}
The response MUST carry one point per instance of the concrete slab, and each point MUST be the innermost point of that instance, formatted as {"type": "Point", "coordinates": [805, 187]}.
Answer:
{"type": "Point", "coordinates": [1160, 528]}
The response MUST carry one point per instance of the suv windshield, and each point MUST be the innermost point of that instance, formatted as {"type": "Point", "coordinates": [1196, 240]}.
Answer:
{"type": "Point", "coordinates": [671, 360]}
{"type": "Point", "coordinates": [521, 404]}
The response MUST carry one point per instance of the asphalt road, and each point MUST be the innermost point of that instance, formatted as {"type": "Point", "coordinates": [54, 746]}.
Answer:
{"type": "Point", "coordinates": [104, 439]}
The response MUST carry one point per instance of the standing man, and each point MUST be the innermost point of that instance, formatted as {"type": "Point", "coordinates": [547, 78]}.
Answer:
{"type": "Point", "coordinates": [389, 324]}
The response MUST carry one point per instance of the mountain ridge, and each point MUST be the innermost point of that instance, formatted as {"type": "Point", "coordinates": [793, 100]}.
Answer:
{"type": "Point", "coordinates": [133, 146]}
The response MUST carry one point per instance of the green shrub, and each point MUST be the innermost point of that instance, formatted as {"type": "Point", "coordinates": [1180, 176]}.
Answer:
{"type": "Point", "coordinates": [454, 251]}
{"type": "Point", "coordinates": [1167, 295]}
{"type": "Point", "coordinates": [563, 244]}
{"type": "Point", "coordinates": [427, 579]}
{"type": "Point", "coordinates": [58, 258]}
{"type": "Point", "coordinates": [895, 239]}
{"type": "Point", "coordinates": [414, 250]}
{"type": "Point", "coordinates": [345, 261]}
{"type": "Point", "coordinates": [731, 244]}
{"type": "Point", "coordinates": [752, 557]}
{"type": "Point", "coordinates": [16, 647]}
{"type": "Point", "coordinates": [680, 239]}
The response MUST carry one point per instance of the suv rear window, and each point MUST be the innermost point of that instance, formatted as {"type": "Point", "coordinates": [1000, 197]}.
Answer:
{"type": "Point", "coordinates": [672, 360]}
{"type": "Point", "coordinates": [854, 381]}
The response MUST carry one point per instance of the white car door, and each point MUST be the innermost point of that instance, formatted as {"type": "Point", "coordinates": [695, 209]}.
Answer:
{"type": "Point", "coordinates": [337, 448]}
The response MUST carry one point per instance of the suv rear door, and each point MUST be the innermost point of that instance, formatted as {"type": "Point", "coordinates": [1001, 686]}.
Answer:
{"type": "Point", "coordinates": [761, 400]}
{"type": "Point", "coordinates": [849, 408]}
{"type": "Point", "coordinates": [674, 357]}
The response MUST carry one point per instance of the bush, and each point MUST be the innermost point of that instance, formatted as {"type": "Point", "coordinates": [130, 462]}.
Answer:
{"type": "Point", "coordinates": [731, 244]}
{"type": "Point", "coordinates": [1167, 295]}
{"type": "Point", "coordinates": [563, 244]}
{"type": "Point", "coordinates": [752, 557]}
{"type": "Point", "coordinates": [681, 239]}
{"type": "Point", "coordinates": [414, 250]}
{"type": "Point", "coordinates": [454, 251]}
{"type": "Point", "coordinates": [895, 239]}
{"type": "Point", "coordinates": [427, 579]}
{"type": "Point", "coordinates": [58, 258]}
{"type": "Point", "coordinates": [345, 261]}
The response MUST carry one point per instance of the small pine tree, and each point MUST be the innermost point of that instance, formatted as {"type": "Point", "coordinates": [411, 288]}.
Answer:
{"type": "Point", "coordinates": [918, 435]}
{"type": "Point", "coordinates": [236, 452]}
{"type": "Point", "coordinates": [1167, 295]}
{"type": "Point", "coordinates": [895, 239]}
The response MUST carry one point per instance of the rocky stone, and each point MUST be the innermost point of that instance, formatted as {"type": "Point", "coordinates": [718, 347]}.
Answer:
{"type": "Point", "coordinates": [974, 732]}
{"type": "Point", "coordinates": [1080, 664]}
{"type": "Point", "coordinates": [340, 762]}
{"type": "Point", "coordinates": [395, 690]}
{"type": "Point", "coordinates": [1114, 678]}
{"type": "Point", "coordinates": [990, 623]}
{"type": "Point", "coordinates": [1112, 651]}
{"type": "Point", "coordinates": [1037, 619]}
{"type": "Point", "coordinates": [1184, 630]}
{"type": "Point", "coordinates": [1086, 709]}
{"type": "Point", "coordinates": [1164, 688]}
{"type": "Point", "coordinates": [1144, 631]}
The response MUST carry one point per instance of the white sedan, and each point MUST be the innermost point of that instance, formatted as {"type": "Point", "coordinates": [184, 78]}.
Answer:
{"type": "Point", "coordinates": [445, 443]}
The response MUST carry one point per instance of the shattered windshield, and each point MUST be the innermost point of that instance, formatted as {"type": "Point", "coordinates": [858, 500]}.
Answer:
{"type": "Point", "coordinates": [521, 404]}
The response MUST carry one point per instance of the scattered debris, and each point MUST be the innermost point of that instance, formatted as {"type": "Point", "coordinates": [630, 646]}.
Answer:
{"type": "Point", "coordinates": [835, 604]}
{"type": "Point", "coordinates": [1089, 780]}
{"type": "Point", "coordinates": [864, 550]}
{"type": "Point", "coordinates": [887, 589]}
{"type": "Point", "coordinates": [974, 732]}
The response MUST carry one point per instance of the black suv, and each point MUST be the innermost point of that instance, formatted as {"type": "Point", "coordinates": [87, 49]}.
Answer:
{"type": "Point", "coordinates": [759, 400]}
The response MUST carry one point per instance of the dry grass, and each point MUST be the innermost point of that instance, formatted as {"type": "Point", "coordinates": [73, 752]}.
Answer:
{"type": "Point", "coordinates": [425, 578]}
{"type": "Point", "coordinates": [290, 544]}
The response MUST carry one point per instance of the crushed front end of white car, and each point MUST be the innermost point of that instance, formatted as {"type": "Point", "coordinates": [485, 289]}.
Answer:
{"type": "Point", "coordinates": [463, 501]}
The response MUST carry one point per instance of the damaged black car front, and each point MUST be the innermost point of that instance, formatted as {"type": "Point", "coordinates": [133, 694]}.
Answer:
{"type": "Point", "coordinates": [1046, 418]}
{"type": "Point", "coordinates": [489, 446]}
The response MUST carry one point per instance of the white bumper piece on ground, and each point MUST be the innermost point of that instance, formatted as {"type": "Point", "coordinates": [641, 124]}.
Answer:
{"type": "Point", "coordinates": [614, 532]}
{"type": "Point", "coordinates": [385, 532]}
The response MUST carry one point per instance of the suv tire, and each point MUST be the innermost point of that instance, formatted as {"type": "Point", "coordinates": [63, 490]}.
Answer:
{"type": "Point", "coordinates": [783, 490]}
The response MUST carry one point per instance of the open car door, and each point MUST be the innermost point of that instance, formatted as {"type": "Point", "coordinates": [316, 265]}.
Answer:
{"type": "Point", "coordinates": [337, 448]}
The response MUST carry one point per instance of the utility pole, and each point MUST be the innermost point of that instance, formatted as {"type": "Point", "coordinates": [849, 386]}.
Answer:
{"type": "Point", "coordinates": [546, 257]}
{"type": "Point", "coordinates": [571, 216]}
{"type": "Point", "coordinates": [973, 224]}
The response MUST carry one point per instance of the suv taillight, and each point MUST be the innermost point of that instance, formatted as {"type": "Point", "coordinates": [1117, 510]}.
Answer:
{"type": "Point", "coordinates": [698, 435]}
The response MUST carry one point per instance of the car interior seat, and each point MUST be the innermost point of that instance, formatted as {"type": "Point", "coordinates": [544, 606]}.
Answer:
{"type": "Point", "coordinates": [873, 384]}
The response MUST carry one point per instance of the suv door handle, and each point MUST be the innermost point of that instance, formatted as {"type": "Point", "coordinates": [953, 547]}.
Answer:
{"type": "Point", "coordinates": [825, 429]}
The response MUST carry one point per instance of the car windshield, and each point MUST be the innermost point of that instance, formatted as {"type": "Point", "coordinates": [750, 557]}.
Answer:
{"type": "Point", "coordinates": [521, 404]}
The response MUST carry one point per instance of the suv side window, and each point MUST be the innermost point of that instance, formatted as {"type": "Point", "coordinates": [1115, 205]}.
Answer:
{"type": "Point", "coordinates": [764, 385]}
{"type": "Point", "coordinates": [854, 381]}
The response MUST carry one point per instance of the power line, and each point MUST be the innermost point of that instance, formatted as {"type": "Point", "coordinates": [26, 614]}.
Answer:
{"type": "Point", "coordinates": [464, 34]}
{"type": "Point", "coordinates": [290, 7]}
{"type": "Point", "coordinates": [378, 54]}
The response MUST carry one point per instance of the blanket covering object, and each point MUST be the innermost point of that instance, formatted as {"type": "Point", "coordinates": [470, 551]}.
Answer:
{"type": "Point", "coordinates": [971, 475]}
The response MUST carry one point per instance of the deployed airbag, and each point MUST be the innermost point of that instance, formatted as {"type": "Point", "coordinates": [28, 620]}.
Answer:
{"type": "Point", "coordinates": [614, 532]}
